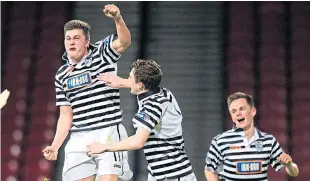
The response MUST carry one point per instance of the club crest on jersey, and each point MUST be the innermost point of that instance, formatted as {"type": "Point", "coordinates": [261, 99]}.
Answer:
{"type": "Point", "coordinates": [78, 81]}
{"type": "Point", "coordinates": [143, 116]}
{"type": "Point", "coordinates": [87, 62]}
{"type": "Point", "coordinates": [249, 167]}
{"type": "Point", "coordinates": [259, 146]}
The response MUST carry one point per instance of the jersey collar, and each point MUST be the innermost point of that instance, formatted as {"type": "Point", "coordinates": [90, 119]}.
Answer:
{"type": "Point", "coordinates": [148, 94]}
{"type": "Point", "coordinates": [85, 60]}
{"type": "Point", "coordinates": [257, 132]}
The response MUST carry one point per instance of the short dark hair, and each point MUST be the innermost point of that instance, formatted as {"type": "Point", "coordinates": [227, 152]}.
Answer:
{"type": "Point", "coordinates": [148, 72]}
{"type": "Point", "coordinates": [78, 24]}
{"type": "Point", "coordinates": [240, 95]}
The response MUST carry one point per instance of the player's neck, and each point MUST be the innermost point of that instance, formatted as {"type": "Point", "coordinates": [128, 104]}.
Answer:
{"type": "Point", "coordinates": [142, 91]}
{"type": "Point", "coordinates": [249, 132]}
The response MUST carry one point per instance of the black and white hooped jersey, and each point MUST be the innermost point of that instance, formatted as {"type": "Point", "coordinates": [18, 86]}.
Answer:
{"type": "Point", "coordinates": [243, 159]}
{"type": "Point", "coordinates": [94, 104]}
{"type": "Point", "coordinates": [159, 113]}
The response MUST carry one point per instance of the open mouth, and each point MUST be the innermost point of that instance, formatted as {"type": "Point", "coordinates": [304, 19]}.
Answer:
{"type": "Point", "coordinates": [72, 49]}
{"type": "Point", "coordinates": [240, 119]}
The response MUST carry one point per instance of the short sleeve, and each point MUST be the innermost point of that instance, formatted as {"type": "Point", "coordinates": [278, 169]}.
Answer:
{"type": "Point", "coordinates": [149, 116]}
{"type": "Point", "coordinates": [106, 49]}
{"type": "Point", "coordinates": [61, 99]}
{"type": "Point", "coordinates": [276, 151]}
{"type": "Point", "coordinates": [214, 157]}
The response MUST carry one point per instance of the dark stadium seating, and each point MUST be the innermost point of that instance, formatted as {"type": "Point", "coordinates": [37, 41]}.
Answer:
{"type": "Point", "coordinates": [36, 42]}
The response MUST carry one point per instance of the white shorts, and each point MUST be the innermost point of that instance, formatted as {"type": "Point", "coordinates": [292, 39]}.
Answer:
{"type": "Point", "coordinates": [79, 165]}
{"type": "Point", "coordinates": [190, 177]}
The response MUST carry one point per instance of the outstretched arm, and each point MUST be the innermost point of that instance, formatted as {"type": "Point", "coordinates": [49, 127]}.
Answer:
{"type": "Point", "coordinates": [114, 80]}
{"type": "Point", "coordinates": [134, 142]}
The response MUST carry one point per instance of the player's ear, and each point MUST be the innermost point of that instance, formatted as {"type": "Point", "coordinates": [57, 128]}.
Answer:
{"type": "Point", "coordinates": [141, 86]}
{"type": "Point", "coordinates": [253, 111]}
{"type": "Point", "coordinates": [87, 41]}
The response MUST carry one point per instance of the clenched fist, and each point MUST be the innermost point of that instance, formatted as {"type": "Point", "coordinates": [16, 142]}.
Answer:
{"type": "Point", "coordinates": [50, 153]}
{"type": "Point", "coordinates": [285, 159]}
{"type": "Point", "coordinates": [112, 11]}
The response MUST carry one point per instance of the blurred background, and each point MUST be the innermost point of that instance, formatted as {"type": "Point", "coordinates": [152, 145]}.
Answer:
{"type": "Point", "coordinates": [207, 51]}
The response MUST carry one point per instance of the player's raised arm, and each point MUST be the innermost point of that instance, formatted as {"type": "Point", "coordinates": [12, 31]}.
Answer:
{"type": "Point", "coordinates": [124, 38]}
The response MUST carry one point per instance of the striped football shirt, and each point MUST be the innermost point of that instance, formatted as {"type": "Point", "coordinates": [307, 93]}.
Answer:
{"type": "Point", "coordinates": [243, 159]}
{"type": "Point", "coordinates": [94, 104]}
{"type": "Point", "coordinates": [159, 113]}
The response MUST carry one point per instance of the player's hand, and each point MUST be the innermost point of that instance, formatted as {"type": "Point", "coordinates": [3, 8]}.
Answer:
{"type": "Point", "coordinates": [285, 159]}
{"type": "Point", "coordinates": [111, 80]}
{"type": "Point", "coordinates": [50, 153]}
{"type": "Point", "coordinates": [112, 11]}
{"type": "Point", "coordinates": [95, 148]}
{"type": "Point", "coordinates": [4, 97]}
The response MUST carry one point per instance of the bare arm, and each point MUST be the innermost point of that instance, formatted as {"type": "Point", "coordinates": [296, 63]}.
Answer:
{"type": "Point", "coordinates": [292, 169]}
{"type": "Point", "coordinates": [114, 80]}
{"type": "Point", "coordinates": [63, 126]}
{"type": "Point", "coordinates": [124, 38]}
{"type": "Point", "coordinates": [134, 142]}
{"type": "Point", "coordinates": [124, 83]}
{"type": "Point", "coordinates": [211, 176]}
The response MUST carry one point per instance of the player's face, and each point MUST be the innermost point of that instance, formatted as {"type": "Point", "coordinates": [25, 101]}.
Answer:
{"type": "Point", "coordinates": [76, 44]}
{"type": "Point", "coordinates": [242, 113]}
{"type": "Point", "coordinates": [135, 88]}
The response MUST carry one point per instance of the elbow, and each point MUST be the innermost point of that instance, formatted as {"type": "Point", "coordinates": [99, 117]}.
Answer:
{"type": "Point", "coordinates": [67, 127]}
{"type": "Point", "coordinates": [129, 43]}
{"type": "Point", "coordinates": [126, 43]}
{"type": "Point", "coordinates": [126, 40]}
{"type": "Point", "coordinates": [210, 175]}
{"type": "Point", "coordinates": [124, 46]}
{"type": "Point", "coordinates": [63, 130]}
{"type": "Point", "coordinates": [64, 126]}
{"type": "Point", "coordinates": [139, 145]}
